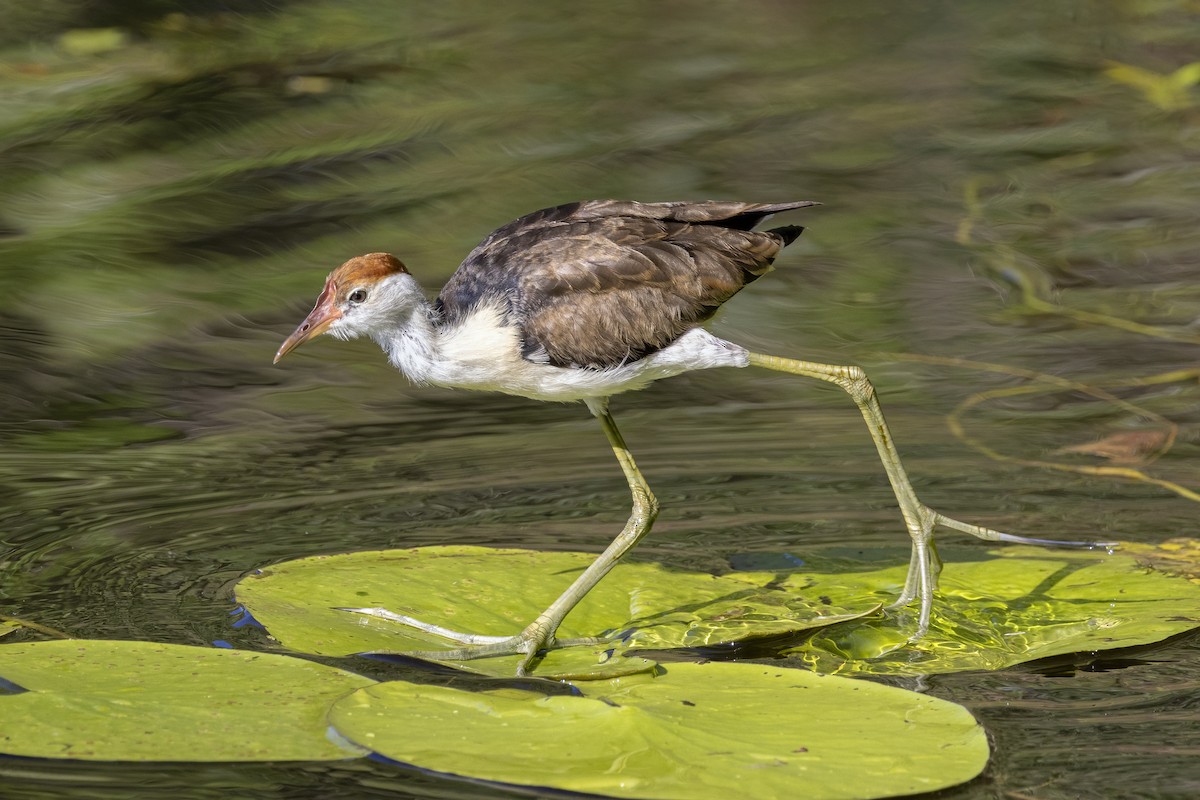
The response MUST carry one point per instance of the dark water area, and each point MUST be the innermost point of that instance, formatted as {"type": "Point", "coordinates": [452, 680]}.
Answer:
{"type": "Point", "coordinates": [1009, 191]}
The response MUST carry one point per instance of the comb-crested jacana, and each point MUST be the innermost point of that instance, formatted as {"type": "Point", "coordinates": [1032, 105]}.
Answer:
{"type": "Point", "coordinates": [584, 301]}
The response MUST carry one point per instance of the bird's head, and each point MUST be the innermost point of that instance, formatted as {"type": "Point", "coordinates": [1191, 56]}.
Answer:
{"type": "Point", "coordinates": [361, 297]}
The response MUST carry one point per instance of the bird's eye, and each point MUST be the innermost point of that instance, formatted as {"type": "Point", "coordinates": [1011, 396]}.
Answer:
{"type": "Point", "coordinates": [358, 296]}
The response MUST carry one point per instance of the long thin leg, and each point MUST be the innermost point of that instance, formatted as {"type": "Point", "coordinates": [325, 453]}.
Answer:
{"type": "Point", "coordinates": [920, 519]}
{"type": "Point", "coordinates": [641, 518]}
{"type": "Point", "coordinates": [539, 635]}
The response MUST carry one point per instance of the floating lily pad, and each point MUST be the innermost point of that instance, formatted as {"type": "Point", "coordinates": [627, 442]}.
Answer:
{"type": "Point", "coordinates": [715, 730]}
{"type": "Point", "coordinates": [995, 608]}
{"type": "Point", "coordinates": [498, 592]}
{"type": "Point", "coordinates": [1008, 606]}
{"type": "Point", "coordinates": [1178, 556]}
{"type": "Point", "coordinates": [141, 701]}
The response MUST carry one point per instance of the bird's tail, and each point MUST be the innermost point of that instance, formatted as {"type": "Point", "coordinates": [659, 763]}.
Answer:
{"type": "Point", "coordinates": [789, 233]}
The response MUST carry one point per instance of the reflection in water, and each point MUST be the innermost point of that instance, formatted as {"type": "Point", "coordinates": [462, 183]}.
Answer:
{"type": "Point", "coordinates": [990, 194]}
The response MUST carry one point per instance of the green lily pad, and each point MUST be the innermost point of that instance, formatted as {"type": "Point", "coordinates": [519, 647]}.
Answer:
{"type": "Point", "coordinates": [498, 592]}
{"type": "Point", "coordinates": [715, 730]}
{"type": "Point", "coordinates": [1177, 556]}
{"type": "Point", "coordinates": [141, 701]}
{"type": "Point", "coordinates": [1008, 606]}
{"type": "Point", "coordinates": [995, 608]}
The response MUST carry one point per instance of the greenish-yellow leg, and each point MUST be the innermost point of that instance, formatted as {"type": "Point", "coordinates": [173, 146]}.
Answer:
{"type": "Point", "coordinates": [540, 634]}
{"type": "Point", "coordinates": [924, 564]}
{"type": "Point", "coordinates": [923, 567]}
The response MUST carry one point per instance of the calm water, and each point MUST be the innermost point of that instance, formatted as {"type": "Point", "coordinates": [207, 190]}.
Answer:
{"type": "Point", "coordinates": [173, 192]}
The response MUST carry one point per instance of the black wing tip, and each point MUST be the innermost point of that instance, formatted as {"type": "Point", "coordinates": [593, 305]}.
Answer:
{"type": "Point", "coordinates": [789, 233]}
{"type": "Point", "coordinates": [750, 219]}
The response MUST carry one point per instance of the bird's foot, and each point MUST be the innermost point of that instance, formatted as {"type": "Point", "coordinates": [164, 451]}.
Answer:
{"type": "Point", "coordinates": [925, 565]}
{"type": "Point", "coordinates": [531, 643]}
{"type": "Point", "coordinates": [998, 536]}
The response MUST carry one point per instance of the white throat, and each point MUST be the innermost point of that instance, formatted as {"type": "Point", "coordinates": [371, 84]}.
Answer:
{"type": "Point", "coordinates": [412, 346]}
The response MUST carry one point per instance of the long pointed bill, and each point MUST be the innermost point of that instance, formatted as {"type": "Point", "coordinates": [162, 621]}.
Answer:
{"type": "Point", "coordinates": [324, 314]}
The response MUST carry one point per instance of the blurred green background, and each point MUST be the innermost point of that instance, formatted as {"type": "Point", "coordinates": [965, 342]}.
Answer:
{"type": "Point", "coordinates": [1012, 185]}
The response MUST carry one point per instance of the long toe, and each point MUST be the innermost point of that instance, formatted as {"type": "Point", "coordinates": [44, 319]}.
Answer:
{"type": "Point", "coordinates": [530, 648]}
{"type": "Point", "coordinates": [531, 644]}
{"type": "Point", "coordinates": [991, 535]}
{"type": "Point", "coordinates": [427, 627]}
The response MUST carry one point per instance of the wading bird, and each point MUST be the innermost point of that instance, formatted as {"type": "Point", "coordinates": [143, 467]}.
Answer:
{"type": "Point", "coordinates": [584, 301]}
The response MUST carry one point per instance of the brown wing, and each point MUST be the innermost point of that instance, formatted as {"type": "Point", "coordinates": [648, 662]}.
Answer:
{"type": "Point", "coordinates": [606, 282]}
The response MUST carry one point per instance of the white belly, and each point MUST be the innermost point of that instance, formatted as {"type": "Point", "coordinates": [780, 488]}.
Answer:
{"type": "Point", "coordinates": [485, 355]}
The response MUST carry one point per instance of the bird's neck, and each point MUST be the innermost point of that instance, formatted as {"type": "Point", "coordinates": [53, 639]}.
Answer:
{"type": "Point", "coordinates": [481, 350]}
{"type": "Point", "coordinates": [413, 344]}
{"type": "Point", "coordinates": [477, 350]}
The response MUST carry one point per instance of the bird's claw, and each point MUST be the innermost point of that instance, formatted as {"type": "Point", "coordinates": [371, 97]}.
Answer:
{"type": "Point", "coordinates": [531, 643]}
{"type": "Point", "coordinates": [925, 565]}
{"type": "Point", "coordinates": [427, 627]}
